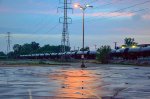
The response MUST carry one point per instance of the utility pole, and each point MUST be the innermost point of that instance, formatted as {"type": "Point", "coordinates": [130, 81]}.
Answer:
{"type": "Point", "coordinates": [115, 45]}
{"type": "Point", "coordinates": [78, 48]}
{"type": "Point", "coordinates": [8, 42]}
{"type": "Point", "coordinates": [74, 48]}
{"type": "Point", "coordinates": [95, 47]}
{"type": "Point", "coordinates": [65, 20]}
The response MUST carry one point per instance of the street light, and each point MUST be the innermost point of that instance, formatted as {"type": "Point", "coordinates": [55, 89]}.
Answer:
{"type": "Point", "coordinates": [83, 8]}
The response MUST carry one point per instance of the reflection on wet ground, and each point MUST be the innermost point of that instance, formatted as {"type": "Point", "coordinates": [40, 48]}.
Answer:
{"type": "Point", "coordinates": [77, 84]}
{"type": "Point", "coordinates": [66, 82]}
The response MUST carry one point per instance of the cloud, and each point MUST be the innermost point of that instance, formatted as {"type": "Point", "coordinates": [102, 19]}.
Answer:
{"type": "Point", "coordinates": [146, 17]}
{"type": "Point", "coordinates": [4, 9]}
{"type": "Point", "coordinates": [7, 10]}
{"type": "Point", "coordinates": [36, 36]}
{"type": "Point", "coordinates": [137, 17]}
{"type": "Point", "coordinates": [124, 29]}
{"type": "Point", "coordinates": [108, 14]}
{"type": "Point", "coordinates": [131, 31]}
{"type": "Point", "coordinates": [28, 7]}
{"type": "Point", "coordinates": [38, 3]}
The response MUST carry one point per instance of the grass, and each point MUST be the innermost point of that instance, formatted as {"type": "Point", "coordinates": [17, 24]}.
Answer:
{"type": "Point", "coordinates": [30, 62]}
{"type": "Point", "coordinates": [131, 64]}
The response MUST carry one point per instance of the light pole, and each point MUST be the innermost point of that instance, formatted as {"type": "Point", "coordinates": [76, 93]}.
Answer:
{"type": "Point", "coordinates": [83, 8]}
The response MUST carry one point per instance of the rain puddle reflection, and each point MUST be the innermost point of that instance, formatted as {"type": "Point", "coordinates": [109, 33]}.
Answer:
{"type": "Point", "coordinates": [77, 84]}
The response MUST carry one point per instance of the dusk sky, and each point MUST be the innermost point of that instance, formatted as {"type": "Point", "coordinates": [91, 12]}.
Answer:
{"type": "Point", "coordinates": [108, 22]}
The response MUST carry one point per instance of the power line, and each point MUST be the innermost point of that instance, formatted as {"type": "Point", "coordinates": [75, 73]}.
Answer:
{"type": "Point", "coordinates": [132, 6]}
{"type": "Point", "coordinates": [119, 15]}
{"type": "Point", "coordinates": [52, 28]}
{"type": "Point", "coordinates": [108, 3]}
{"type": "Point", "coordinates": [41, 27]}
{"type": "Point", "coordinates": [93, 1]}
{"type": "Point", "coordinates": [42, 21]}
{"type": "Point", "coordinates": [124, 14]}
{"type": "Point", "coordinates": [38, 24]}
{"type": "Point", "coordinates": [103, 16]}
{"type": "Point", "coordinates": [128, 7]}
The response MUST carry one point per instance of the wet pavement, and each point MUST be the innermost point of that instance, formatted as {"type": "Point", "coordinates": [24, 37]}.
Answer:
{"type": "Point", "coordinates": [72, 82]}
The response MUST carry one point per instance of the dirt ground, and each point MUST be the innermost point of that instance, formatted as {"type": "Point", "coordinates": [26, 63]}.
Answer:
{"type": "Point", "coordinates": [97, 81]}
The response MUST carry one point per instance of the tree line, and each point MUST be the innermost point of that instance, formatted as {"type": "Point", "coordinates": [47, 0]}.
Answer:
{"type": "Point", "coordinates": [35, 48]}
{"type": "Point", "coordinates": [32, 48]}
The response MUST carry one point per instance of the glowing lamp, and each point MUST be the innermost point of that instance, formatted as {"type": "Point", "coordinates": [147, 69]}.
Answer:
{"type": "Point", "coordinates": [76, 6]}
{"type": "Point", "coordinates": [122, 47]}
{"type": "Point", "coordinates": [133, 46]}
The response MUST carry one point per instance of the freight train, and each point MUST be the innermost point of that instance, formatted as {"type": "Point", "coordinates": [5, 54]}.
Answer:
{"type": "Point", "coordinates": [122, 53]}
{"type": "Point", "coordinates": [131, 53]}
{"type": "Point", "coordinates": [72, 54]}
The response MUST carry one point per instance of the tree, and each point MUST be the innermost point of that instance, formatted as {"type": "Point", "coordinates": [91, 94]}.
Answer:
{"type": "Point", "coordinates": [2, 54]}
{"type": "Point", "coordinates": [45, 49]}
{"type": "Point", "coordinates": [34, 46]}
{"type": "Point", "coordinates": [103, 54]}
{"type": "Point", "coordinates": [129, 42]}
{"type": "Point", "coordinates": [26, 48]}
{"type": "Point", "coordinates": [67, 48]}
{"type": "Point", "coordinates": [11, 55]}
{"type": "Point", "coordinates": [17, 48]}
{"type": "Point", "coordinates": [85, 49]}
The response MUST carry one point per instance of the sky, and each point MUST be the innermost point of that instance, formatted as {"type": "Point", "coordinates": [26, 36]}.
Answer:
{"type": "Point", "coordinates": [107, 22]}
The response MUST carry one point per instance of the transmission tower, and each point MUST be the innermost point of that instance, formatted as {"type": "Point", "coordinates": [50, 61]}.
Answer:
{"type": "Point", "coordinates": [65, 20]}
{"type": "Point", "coordinates": [8, 42]}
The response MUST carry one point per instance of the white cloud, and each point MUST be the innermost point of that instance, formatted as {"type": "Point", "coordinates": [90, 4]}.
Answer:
{"type": "Point", "coordinates": [146, 17]}
{"type": "Point", "coordinates": [108, 14]}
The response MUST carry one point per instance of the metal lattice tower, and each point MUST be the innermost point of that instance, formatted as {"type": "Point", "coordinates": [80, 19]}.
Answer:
{"type": "Point", "coordinates": [8, 42]}
{"type": "Point", "coordinates": [65, 20]}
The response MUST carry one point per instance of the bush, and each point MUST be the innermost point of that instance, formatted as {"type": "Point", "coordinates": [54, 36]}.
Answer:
{"type": "Point", "coordinates": [41, 62]}
{"type": "Point", "coordinates": [103, 54]}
